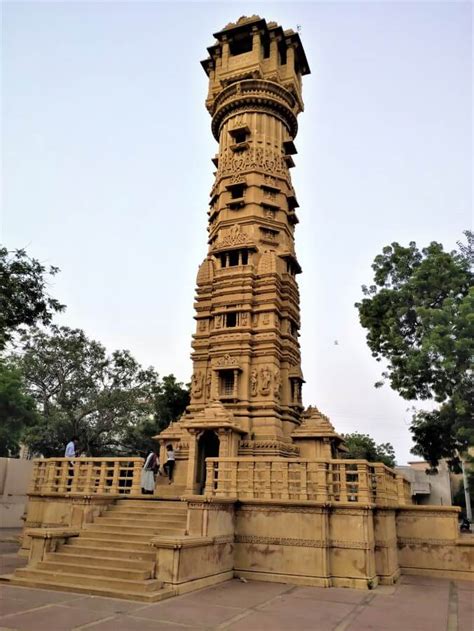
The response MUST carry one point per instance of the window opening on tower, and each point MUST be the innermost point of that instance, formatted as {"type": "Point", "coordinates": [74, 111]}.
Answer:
{"type": "Point", "coordinates": [231, 319]}
{"type": "Point", "coordinates": [226, 383]}
{"type": "Point", "coordinates": [237, 190]}
{"type": "Point", "coordinates": [234, 258]}
{"type": "Point", "coordinates": [240, 44]}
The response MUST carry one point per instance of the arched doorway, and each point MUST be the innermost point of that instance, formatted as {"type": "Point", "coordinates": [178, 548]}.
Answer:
{"type": "Point", "coordinates": [208, 447]}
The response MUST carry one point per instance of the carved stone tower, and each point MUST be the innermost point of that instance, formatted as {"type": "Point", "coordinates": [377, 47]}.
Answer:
{"type": "Point", "coordinates": [246, 354]}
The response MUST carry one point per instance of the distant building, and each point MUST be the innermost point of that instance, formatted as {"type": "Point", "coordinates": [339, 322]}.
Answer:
{"type": "Point", "coordinates": [428, 488]}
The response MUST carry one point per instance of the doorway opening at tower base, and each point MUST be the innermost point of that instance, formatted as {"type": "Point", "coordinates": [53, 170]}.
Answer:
{"type": "Point", "coordinates": [208, 447]}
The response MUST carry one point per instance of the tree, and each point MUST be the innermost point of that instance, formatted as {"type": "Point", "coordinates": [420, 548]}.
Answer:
{"type": "Point", "coordinates": [169, 402]}
{"type": "Point", "coordinates": [363, 447]}
{"type": "Point", "coordinates": [17, 410]}
{"type": "Point", "coordinates": [419, 318]}
{"type": "Point", "coordinates": [82, 391]}
{"type": "Point", "coordinates": [23, 293]}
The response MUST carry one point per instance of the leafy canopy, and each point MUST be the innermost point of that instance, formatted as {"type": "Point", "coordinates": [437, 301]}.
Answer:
{"type": "Point", "coordinates": [23, 293]}
{"type": "Point", "coordinates": [363, 447]}
{"type": "Point", "coordinates": [419, 316]}
{"type": "Point", "coordinates": [82, 391]}
{"type": "Point", "coordinates": [17, 409]}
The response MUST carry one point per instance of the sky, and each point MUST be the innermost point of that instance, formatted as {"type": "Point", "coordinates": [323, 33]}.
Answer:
{"type": "Point", "coordinates": [106, 171]}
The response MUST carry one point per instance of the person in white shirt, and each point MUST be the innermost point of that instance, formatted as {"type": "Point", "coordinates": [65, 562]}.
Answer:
{"type": "Point", "coordinates": [71, 448]}
{"type": "Point", "coordinates": [168, 467]}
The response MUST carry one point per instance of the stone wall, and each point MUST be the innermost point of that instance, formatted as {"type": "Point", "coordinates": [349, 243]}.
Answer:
{"type": "Point", "coordinates": [15, 474]}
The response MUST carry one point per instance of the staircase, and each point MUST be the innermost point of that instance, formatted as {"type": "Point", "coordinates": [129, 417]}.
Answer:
{"type": "Point", "coordinates": [113, 556]}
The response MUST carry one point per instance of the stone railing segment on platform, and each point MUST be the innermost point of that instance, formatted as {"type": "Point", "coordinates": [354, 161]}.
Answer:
{"type": "Point", "coordinates": [88, 476]}
{"type": "Point", "coordinates": [294, 479]}
{"type": "Point", "coordinates": [244, 478]}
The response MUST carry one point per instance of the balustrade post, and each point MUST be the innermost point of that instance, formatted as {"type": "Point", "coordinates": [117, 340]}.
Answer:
{"type": "Point", "coordinates": [49, 477]}
{"type": "Point", "coordinates": [285, 491]}
{"type": "Point", "coordinates": [210, 490]}
{"type": "Point", "coordinates": [136, 478]}
{"type": "Point", "coordinates": [251, 479]}
{"type": "Point", "coordinates": [322, 481]}
{"type": "Point", "coordinates": [233, 478]}
{"type": "Point", "coordinates": [266, 482]}
{"type": "Point", "coordinates": [380, 494]}
{"type": "Point", "coordinates": [342, 483]}
{"type": "Point", "coordinates": [303, 480]}
{"type": "Point", "coordinates": [363, 494]}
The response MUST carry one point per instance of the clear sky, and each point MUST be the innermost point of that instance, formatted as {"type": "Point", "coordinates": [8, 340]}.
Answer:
{"type": "Point", "coordinates": [106, 169]}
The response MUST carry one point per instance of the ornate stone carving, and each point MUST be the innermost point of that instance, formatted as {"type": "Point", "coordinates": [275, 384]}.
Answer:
{"type": "Point", "coordinates": [265, 380]}
{"type": "Point", "coordinates": [254, 383]}
{"type": "Point", "coordinates": [208, 384]}
{"type": "Point", "coordinates": [227, 360]}
{"type": "Point", "coordinates": [234, 237]}
{"type": "Point", "coordinates": [277, 384]}
{"type": "Point", "coordinates": [196, 385]}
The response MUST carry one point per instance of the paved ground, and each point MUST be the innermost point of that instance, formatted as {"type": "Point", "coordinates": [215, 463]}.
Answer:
{"type": "Point", "coordinates": [416, 603]}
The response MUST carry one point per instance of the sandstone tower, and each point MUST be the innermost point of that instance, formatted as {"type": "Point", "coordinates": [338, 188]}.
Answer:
{"type": "Point", "coordinates": [247, 380]}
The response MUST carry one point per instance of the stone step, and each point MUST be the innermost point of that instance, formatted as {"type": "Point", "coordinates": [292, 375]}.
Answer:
{"type": "Point", "coordinates": [143, 511]}
{"type": "Point", "coordinates": [93, 570]}
{"type": "Point", "coordinates": [129, 516]}
{"type": "Point", "coordinates": [50, 583]}
{"type": "Point", "coordinates": [133, 529]}
{"type": "Point", "coordinates": [124, 534]}
{"type": "Point", "coordinates": [73, 578]}
{"type": "Point", "coordinates": [97, 549]}
{"type": "Point", "coordinates": [116, 534]}
{"type": "Point", "coordinates": [84, 558]}
{"type": "Point", "coordinates": [151, 504]}
{"type": "Point", "coordinates": [111, 542]}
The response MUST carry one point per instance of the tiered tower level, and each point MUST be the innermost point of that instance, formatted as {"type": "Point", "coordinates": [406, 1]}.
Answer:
{"type": "Point", "coordinates": [246, 353]}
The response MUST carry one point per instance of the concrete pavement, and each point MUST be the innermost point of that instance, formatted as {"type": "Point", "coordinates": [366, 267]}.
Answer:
{"type": "Point", "coordinates": [416, 603]}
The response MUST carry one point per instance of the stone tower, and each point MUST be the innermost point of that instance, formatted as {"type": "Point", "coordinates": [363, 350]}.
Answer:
{"type": "Point", "coordinates": [247, 379]}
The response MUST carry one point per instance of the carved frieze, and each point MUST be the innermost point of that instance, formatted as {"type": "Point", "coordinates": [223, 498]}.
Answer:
{"type": "Point", "coordinates": [227, 360]}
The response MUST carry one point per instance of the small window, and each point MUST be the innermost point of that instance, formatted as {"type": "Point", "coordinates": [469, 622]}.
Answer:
{"type": "Point", "coordinates": [223, 259]}
{"type": "Point", "coordinates": [233, 258]}
{"type": "Point", "coordinates": [245, 257]}
{"type": "Point", "coordinates": [226, 383]}
{"type": "Point", "coordinates": [231, 319]}
{"type": "Point", "coordinates": [240, 44]}
{"type": "Point", "coordinates": [237, 190]}
{"type": "Point", "coordinates": [240, 136]}
{"type": "Point", "coordinates": [266, 48]}
{"type": "Point", "coordinates": [282, 54]}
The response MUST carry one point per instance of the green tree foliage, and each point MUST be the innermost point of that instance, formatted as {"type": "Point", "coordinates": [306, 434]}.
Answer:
{"type": "Point", "coordinates": [363, 447]}
{"type": "Point", "coordinates": [170, 399]}
{"type": "Point", "coordinates": [17, 410]}
{"type": "Point", "coordinates": [82, 391]}
{"type": "Point", "coordinates": [419, 314]}
{"type": "Point", "coordinates": [23, 293]}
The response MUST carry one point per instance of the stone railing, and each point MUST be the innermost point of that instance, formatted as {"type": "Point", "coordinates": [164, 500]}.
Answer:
{"type": "Point", "coordinates": [295, 479]}
{"type": "Point", "coordinates": [87, 476]}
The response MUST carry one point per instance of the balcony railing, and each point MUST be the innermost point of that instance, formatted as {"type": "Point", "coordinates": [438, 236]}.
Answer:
{"type": "Point", "coordinates": [339, 481]}
{"type": "Point", "coordinates": [87, 476]}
